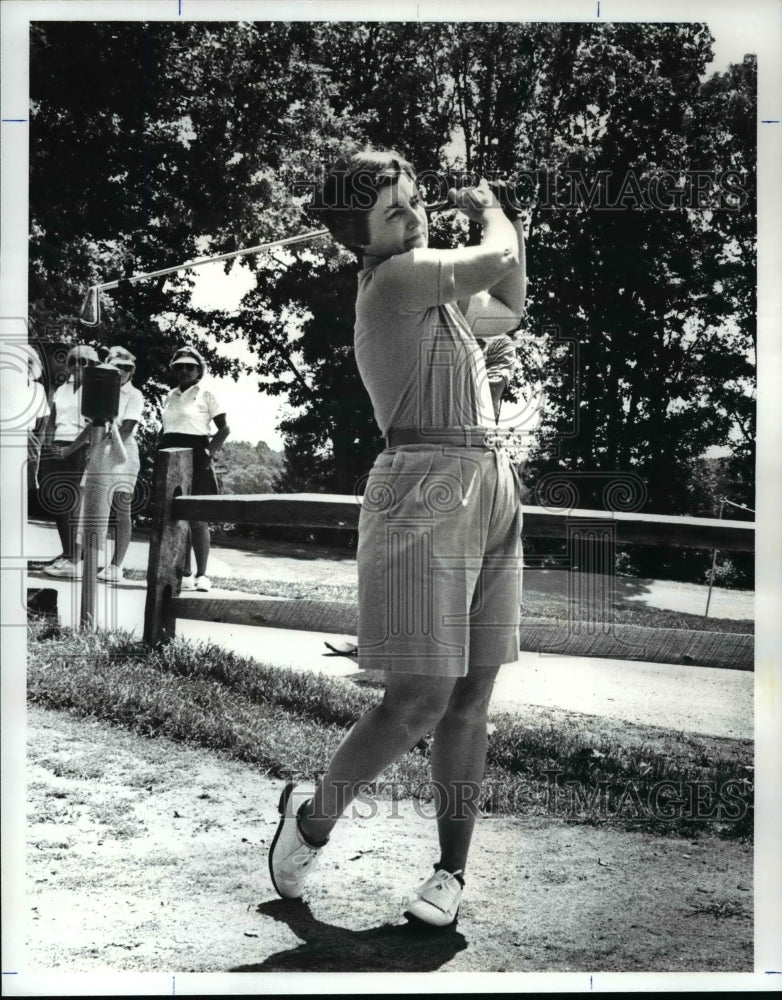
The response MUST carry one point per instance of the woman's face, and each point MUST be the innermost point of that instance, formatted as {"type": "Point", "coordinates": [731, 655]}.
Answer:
{"type": "Point", "coordinates": [398, 221]}
{"type": "Point", "coordinates": [76, 365]}
{"type": "Point", "coordinates": [126, 373]}
{"type": "Point", "coordinates": [186, 374]}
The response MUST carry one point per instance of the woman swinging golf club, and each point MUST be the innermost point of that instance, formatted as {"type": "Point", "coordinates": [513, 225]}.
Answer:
{"type": "Point", "coordinates": [439, 533]}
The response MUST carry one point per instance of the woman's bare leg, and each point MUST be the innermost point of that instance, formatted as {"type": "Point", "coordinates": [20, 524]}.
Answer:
{"type": "Point", "coordinates": [411, 706]}
{"type": "Point", "coordinates": [122, 538]}
{"type": "Point", "coordinates": [199, 534]}
{"type": "Point", "coordinates": [459, 762]}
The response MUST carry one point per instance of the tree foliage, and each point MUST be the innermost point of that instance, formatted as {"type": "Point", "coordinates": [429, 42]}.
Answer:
{"type": "Point", "coordinates": [155, 143]}
{"type": "Point", "coordinates": [243, 467]}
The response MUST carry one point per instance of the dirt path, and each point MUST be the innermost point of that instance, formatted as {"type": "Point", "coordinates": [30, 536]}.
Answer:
{"type": "Point", "coordinates": [149, 856]}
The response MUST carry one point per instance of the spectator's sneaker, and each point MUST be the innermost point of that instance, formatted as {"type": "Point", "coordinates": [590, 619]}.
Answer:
{"type": "Point", "coordinates": [64, 568]}
{"type": "Point", "coordinates": [291, 858]}
{"type": "Point", "coordinates": [203, 583]}
{"type": "Point", "coordinates": [437, 901]}
{"type": "Point", "coordinates": [111, 574]}
{"type": "Point", "coordinates": [188, 583]}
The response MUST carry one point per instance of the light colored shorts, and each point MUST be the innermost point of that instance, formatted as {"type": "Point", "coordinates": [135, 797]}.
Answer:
{"type": "Point", "coordinates": [439, 561]}
{"type": "Point", "coordinates": [106, 473]}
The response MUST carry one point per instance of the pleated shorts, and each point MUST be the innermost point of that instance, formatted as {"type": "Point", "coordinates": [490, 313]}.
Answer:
{"type": "Point", "coordinates": [439, 561]}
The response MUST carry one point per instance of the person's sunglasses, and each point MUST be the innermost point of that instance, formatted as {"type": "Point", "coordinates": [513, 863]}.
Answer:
{"type": "Point", "coordinates": [185, 367]}
{"type": "Point", "coordinates": [81, 362]}
{"type": "Point", "coordinates": [125, 367]}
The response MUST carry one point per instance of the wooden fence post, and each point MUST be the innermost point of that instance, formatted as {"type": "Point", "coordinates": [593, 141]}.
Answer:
{"type": "Point", "coordinates": [168, 543]}
{"type": "Point", "coordinates": [94, 518]}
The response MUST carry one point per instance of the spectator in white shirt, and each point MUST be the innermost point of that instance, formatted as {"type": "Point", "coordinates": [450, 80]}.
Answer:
{"type": "Point", "coordinates": [188, 414]}
{"type": "Point", "coordinates": [118, 472]}
{"type": "Point", "coordinates": [63, 457]}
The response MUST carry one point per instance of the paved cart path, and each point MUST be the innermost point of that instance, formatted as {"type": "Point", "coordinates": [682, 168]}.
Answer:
{"type": "Point", "coordinates": [704, 700]}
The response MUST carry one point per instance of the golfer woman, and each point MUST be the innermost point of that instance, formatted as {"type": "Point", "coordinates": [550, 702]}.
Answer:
{"type": "Point", "coordinates": [64, 448]}
{"type": "Point", "coordinates": [188, 414]}
{"type": "Point", "coordinates": [439, 533]}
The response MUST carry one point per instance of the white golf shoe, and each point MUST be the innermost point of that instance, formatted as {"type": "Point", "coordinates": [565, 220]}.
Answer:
{"type": "Point", "coordinates": [64, 568]}
{"type": "Point", "coordinates": [437, 900]}
{"type": "Point", "coordinates": [112, 574]}
{"type": "Point", "coordinates": [291, 858]}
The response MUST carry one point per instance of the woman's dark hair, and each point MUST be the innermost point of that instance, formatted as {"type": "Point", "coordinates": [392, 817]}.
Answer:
{"type": "Point", "coordinates": [349, 192]}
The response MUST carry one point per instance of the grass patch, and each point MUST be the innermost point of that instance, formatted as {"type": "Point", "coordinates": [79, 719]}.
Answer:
{"type": "Point", "coordinates": [536, 604]}
{"type": "Point", "coordinates": [346, 593]}
{"type": "Point", "coordinates": [288, 722]}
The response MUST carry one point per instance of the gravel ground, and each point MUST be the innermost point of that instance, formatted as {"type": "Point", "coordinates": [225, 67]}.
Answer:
{"type": "Point", "coordinates": [149, 856]}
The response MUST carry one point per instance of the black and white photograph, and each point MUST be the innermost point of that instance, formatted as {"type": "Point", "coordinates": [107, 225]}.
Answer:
{"type": "Point", "coordinates": [390, 497]}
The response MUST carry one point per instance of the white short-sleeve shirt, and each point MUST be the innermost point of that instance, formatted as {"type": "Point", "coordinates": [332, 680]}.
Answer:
{"type": "Point", "coordinates": [131, 404]}
{"type": "Point", "coordinates": [191, 411]}
{"type": "Point", "coordinates": [69, 422]}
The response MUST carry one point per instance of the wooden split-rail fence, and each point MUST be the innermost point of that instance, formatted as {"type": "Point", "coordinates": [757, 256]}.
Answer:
{"type": "Point", "coordinates": [592, 537]}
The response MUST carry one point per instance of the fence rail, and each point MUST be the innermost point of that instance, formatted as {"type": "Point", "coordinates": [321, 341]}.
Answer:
{"type": "Point", "coordinates": [312, 510]}
{"type": "Point", "coordinates": [591, 536]}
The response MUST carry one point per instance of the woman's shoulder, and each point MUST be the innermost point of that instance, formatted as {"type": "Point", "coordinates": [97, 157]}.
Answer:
{"type": "Point", "coordinates": [384, 275]}
{"type": "Point", "coordinates": [208, 391]}
{"type": "Point", "coordinates": [60, 392]}
{"type": "Point", "coordinates": [376, 267]}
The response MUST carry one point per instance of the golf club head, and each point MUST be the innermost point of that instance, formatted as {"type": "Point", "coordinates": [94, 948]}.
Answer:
{"type": "Point", "coordinates": [89, 313]}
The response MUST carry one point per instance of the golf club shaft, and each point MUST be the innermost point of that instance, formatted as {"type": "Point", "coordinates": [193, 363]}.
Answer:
{"type": "Point", "coordinates": [199, 262]}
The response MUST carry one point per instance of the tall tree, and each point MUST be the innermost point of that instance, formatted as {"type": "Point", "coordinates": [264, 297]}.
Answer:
{"type": "Point", "coordinates": [724, 143]}
{"type": "Point", "coordinates": [154, 143]}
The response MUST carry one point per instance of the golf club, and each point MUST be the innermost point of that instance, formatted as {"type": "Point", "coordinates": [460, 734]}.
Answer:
{"type": "Point", "coordinates": [89, 313]}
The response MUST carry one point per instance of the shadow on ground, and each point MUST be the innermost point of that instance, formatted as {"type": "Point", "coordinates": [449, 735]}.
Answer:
{"type": "Point", "coordinates": [281, 548]}
{"type": "Point", "coordinates": [326, 948]}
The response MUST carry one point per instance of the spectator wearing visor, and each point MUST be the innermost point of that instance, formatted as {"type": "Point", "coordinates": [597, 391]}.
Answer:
{"type": "Point", "coordinates": [64, 450]}
{"type": "Point", "coordinates": [189, 412]}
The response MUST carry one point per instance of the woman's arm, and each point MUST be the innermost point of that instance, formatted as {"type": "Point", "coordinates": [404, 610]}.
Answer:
{"type": "Point", "coordinates": [47, 432]}
{"type": "Point", "coordinates": [79, 442]}
{"type": "Point", "coordinates": [511, 290]}
{"type": "Point", "coordinates": [223, 430]}
{"type": "Point", "coordinates": [494, 264]}
{"type": "Point", "coordinates": [126, 429]}
{"type": "Point", "coordinates": [500, 309]}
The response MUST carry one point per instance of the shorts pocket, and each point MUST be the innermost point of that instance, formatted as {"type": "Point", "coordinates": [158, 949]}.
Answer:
{"type": "Point", "coordinates": [398, 482]}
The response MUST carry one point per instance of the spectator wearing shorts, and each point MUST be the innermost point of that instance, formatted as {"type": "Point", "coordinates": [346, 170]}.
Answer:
{"type": "Point", "coordinates": [117, 465]}
{"type": "Point", "coordinates": [38, 410]}
{"type": "Point", "coordinates": [439, 531]}
{"type": "Point", "coordinates": [63, 458]}
{"type": "Point", "coordinates": [188, 414]}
